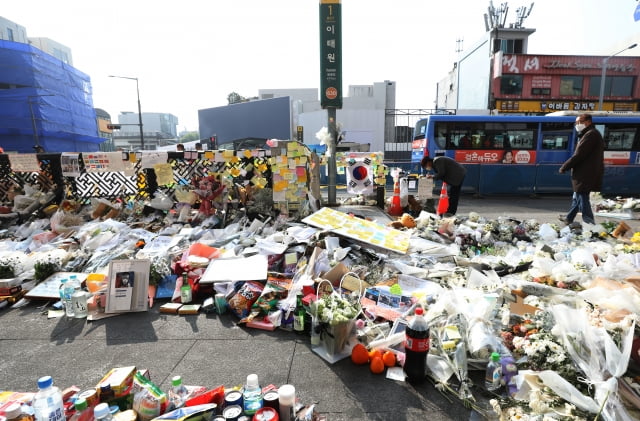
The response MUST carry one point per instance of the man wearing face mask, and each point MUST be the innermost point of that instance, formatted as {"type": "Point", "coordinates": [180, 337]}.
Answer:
{"type": "Point", "coordinates": [587, 169]}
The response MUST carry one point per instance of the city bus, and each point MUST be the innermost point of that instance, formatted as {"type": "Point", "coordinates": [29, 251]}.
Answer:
{"type": "Point", "coordinates": [522, 154]}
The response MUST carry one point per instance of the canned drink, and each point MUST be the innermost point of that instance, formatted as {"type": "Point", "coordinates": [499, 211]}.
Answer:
{"type": "Point", "coordinates": [91, 396]}
{"type": "Point", "coordinates": [221, 303]}
{"type": "Point", "coordinates": [271, 400]}
{"type": "Point", "coordinates": [233, 397]}
{"type": "Point", "coordinates": [244, 418]}
{"type": "Point", "coordinates": [266, 414]}
{"type": "Point", "coordinates": [218, 418]}
{"type": "Point", "coordinates": [232, 413]}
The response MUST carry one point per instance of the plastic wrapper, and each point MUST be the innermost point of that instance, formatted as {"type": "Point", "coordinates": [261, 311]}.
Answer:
{"type": "Point", "coordinates": [547, 232]}
{"type": "Point", "coordinates": [274, 290]}
{"type": "Point", "coordinates": [161, 201]}
{"type": "Point", "coordinates": [24, 204]}
{"type": "Point", "coordinates": [186, 413]}
{"type": "Point", "coordinates": [594, 351]}
{"type": "Point", "coordinates": [241, 302]}
{"type": "Point", "coordinates": [149, 401]}
{"type": "Point", "coordinates": [63, 222]}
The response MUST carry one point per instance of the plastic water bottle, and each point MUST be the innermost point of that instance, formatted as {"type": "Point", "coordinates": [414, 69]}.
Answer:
{"type": "Point", "coordinates": [416, 347]}
{"type": "Point", "coordinates": [79, 300]}
{"type": "Point", "coordinates": [493, 376]}
{"type": "Point", "coordinates": [102, 412]}
{"type": "Point", "coordinates": [70, 288]}
{"type": "Point", "coordinates": [83, 412]}
{"type": "Point", "coordinates": [47, 402]}
{"type": "Point", "coordinates": [179, 392]}
{"type": "Point", "coordinates": [63, 282]}
{"type": "Point", "coordinates": [252, 395]}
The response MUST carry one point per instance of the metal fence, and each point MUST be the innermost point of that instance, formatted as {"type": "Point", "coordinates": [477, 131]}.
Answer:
{"type": "Point", "coordinates": [116, 184]}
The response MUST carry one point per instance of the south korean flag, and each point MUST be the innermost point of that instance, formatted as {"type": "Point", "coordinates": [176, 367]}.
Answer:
{"type": "Point", "coordinates": [359, 176]}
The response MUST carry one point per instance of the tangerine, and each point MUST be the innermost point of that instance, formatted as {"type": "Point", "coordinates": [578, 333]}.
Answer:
{"type": "Point", "coordinates": [374, 353]}
{"type": "Point", "coordinates": [377, 365]}
{"type": "Point", "coordinates": [359, 354]}
{"type": "Point", "coordinates": [389, 359]}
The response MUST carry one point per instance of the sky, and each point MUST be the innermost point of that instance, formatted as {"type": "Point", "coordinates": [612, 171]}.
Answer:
{"type": "Point", "coordinates": [192, 54]}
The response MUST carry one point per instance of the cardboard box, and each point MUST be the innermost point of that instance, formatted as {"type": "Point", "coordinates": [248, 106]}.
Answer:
{"type": "Point", "coordinates": [120, 379]}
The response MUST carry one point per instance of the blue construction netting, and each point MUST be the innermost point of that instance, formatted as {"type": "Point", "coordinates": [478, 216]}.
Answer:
{"type": "Point", "coordinates": [37, 89]}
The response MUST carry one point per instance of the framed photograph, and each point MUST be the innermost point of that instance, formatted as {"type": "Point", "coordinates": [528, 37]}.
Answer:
{"type": "Point", "coordinates": [127, 287]}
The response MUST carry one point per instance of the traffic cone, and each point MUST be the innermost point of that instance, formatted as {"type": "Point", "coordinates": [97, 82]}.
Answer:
{"type": "Point", "coordinates": [396, 207]}
{"type": "Point", "coordinates": [443, 203]}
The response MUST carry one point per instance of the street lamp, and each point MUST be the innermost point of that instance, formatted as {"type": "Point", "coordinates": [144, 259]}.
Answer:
{"type": "Point", "coordinates": [139, 108]}
{"type": "Point", "coordinates": [33, 117]}
{"type": "Point", "coordinates": [604, 73]}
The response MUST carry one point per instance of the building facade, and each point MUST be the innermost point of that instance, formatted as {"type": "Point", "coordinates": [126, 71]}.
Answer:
{"type": "Point", "coordinates": [44, 100]}
{"type": "Point", "coordinates": [514, 81]}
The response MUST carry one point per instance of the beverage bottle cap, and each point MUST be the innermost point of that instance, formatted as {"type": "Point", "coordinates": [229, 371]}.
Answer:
{"type": "Point", "coordinates": [419, 311]}
{"type": "Point", "coordinates": [287, 392]}
{"type": "Point", "coordinates": [44, 382]}
{"type": "Point", "coordinates": [101, 410]}
{"type": "Point", "coordinates": [80, 404]}
{"type": "Point", "coordinates": [13, 410]}
{"type": "Point", "coordinates": [176, 381]}
{"type": "Point", "coordinates": [252, 381]}
{"type": "Point", "coordinates": [495, 356]}
{"type": "Point", "coordinates": [105, 387]}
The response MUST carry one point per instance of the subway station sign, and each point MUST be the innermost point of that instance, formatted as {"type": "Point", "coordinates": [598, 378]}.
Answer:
{"type": "Point", "coordinates": [330, 54]}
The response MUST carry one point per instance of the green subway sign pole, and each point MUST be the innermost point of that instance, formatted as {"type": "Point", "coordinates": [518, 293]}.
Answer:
{"type": "Point", "coordinates": [330, 54]}
{"type": "Point", "coordinates": [331, 80]}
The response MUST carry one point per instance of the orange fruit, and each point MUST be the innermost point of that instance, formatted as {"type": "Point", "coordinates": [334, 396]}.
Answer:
{"type": "Point", "coordinates": [374, 353]}
{"type": "Point", "coordinates": [377, 365]}
{"type": "Point", "coordinates": [389, 359]}
{"type": "Point", "coordinates": [359, 354]}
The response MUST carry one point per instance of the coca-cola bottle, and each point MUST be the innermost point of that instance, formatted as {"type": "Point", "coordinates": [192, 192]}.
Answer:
{"type": "Point", "coordinates": [416, 347]}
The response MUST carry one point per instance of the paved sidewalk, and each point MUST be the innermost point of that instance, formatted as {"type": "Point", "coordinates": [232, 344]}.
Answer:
{"type": "Point", "coordinates": [210, 350]}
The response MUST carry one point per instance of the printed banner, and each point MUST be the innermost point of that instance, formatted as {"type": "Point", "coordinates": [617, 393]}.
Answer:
{"type": "Point", "coordinates": [102, 161]}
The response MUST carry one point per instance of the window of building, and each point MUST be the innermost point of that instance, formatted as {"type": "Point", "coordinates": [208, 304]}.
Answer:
{"type": "Point", "coordinates": [571, 85]}
{"type": "Point", "coordinates": [613, 86]}
{"type": "Point", "coordinates": [511, 85]}
{"type": "Point", "coordinates": [540, 91]}
{"type": "Point", "coordinates": [509, 46]}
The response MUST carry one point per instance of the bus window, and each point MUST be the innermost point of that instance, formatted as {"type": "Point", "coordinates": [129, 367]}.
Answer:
{"type": "Point", "coordinates": [521, 139]}
{"type": "Point", "coordinates": [555, 141]}
{"type": "Point", "coordinates": [617, 137]}
{"type": "Point", "coordinates": [421, 129]}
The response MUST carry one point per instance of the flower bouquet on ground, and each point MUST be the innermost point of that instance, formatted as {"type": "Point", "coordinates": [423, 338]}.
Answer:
{"type": "Point", "coordinates": [333, 318]}
{"type": "Point", "coordinates": [570, 359]}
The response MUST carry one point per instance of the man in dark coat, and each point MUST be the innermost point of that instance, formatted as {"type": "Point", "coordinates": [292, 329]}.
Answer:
{"type": "Point", "coordinates": [587, 169]}
{"type": "Point", "coordinates": [449, 171]}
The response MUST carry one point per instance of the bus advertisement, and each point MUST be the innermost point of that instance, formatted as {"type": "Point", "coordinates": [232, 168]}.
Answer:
{"type": "Point", "coordinates": [522, 154]}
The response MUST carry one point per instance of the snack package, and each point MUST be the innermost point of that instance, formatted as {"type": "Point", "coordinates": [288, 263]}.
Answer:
{"type": "Point", "coordinates": [241, 302]}
{"type": "Point", "coordinates": [197, 412]}
{"type": "Point", "coordinates": [275, 290]}
{"type": "Point", "coordinates": [149, 401]}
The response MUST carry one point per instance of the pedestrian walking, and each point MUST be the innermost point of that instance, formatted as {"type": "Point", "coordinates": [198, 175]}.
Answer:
{"type": "Point", "coordinates": [449, 171]}
{"type": "Point", "coordinates": [587, 169]}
